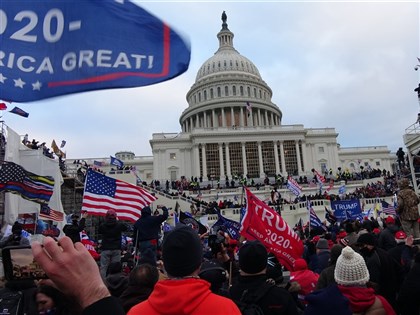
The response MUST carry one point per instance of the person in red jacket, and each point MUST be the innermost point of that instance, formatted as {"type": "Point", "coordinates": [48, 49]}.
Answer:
{"type": "Point", "coordinates": [183, 292]}
{"type": "Point", "coordinates": [306, 278]}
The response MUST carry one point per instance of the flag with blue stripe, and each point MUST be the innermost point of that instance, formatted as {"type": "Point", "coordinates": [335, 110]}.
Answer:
{"type": "Point", "coordinates": [293, 186]}
{"type": "Point", "coordinates": [314, 221]}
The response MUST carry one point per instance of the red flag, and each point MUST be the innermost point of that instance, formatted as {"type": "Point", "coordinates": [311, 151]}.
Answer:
{"type": "Point", "coordinates": [3, 106]}
{"type": "Point", "coordinates": [264, 224]}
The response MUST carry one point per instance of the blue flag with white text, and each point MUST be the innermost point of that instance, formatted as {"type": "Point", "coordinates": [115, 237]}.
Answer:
{"type": "Point", "coordinates": [117, 162]}
{"type": "Point", "coordinates": [59, 47]}
{"type": "Point", "coordinates": [346, 209]}
{"type": "Point", "coordinates": [227, 225]}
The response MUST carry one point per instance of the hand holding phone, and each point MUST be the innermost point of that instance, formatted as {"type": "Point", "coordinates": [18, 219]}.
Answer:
{"type": "Point", "coordinates": [19, 264]}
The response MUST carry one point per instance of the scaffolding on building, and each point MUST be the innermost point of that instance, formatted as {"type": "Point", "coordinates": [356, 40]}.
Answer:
{"type": "Point", "coordinates": [412, 143]}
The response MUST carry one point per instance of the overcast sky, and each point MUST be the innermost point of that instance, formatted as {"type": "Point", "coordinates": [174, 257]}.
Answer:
{"type": "Point", "coordinates": [347, 65]}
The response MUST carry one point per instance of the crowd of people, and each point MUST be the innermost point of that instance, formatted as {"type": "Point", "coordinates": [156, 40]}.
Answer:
{"type": "Point", "coordinates": [349, 267]}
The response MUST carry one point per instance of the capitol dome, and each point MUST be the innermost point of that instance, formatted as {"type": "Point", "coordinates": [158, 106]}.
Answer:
{"type": "Point", "coordinates": [229, 92]}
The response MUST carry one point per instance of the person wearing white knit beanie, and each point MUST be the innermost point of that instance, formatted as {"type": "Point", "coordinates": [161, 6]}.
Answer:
{"type": "Point", "coordinates": [350, 268]}
{"type": "Point", "coordinates": [352, 276]}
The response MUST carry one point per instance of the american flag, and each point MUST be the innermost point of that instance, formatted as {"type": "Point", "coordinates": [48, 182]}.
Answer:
{"type": "Point", "coordinates": [103, 193]}
{"type": "Point", "coordinates": [15, 179]}
{"type": "Point", "coordinates": [293, 186]}
{"type": "Point", "coordinates": [388, 208]}
{"type": "Point", "coordinates": [46, 213]}
{"type": "Point", "coordinates": [313, 218]}
{"type": "Point", "coordinates": [248, 108]}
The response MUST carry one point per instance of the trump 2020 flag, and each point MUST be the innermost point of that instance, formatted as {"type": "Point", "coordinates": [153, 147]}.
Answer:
{"type": "Point", "coordinates": [264, 224]}
{"type": "Point", "coordinates": [58, 47]}
{"type": "Point", "coordinates": [103, 193]}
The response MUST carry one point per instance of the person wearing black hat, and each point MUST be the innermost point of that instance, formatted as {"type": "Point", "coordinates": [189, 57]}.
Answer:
{"type": "Point", "coordinates": [15, 238]}
{"type": "Point", "coordinates": [183, 292]}
{"type": "Point", "coordinates": [253, 267]}
{"type": "Point", "coordinates": [146, 230]}
{"type": "Point", "coordinates": [111, 231]}
{"type": "Point", "coordinates": [73, 230]}
{"type": "Point", "coordinates": [384, 271]}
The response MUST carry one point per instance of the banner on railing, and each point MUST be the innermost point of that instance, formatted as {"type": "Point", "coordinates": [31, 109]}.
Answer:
{"type": "Point", "coordinates": [346, 209]}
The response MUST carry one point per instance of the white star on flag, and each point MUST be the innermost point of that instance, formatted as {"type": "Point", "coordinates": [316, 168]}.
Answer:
{"type": "Point", "coordinates": [2, 78]}
{"type": "Point", "coordinates": [36, 86]}
{"type": "Point", "coordinates": [19, 83]}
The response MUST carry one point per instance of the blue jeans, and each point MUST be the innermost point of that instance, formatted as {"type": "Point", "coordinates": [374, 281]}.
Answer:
{"type": "Point", "coordinates": [109, 256]}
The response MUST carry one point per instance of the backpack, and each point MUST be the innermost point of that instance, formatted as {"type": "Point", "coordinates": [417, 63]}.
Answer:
{"type": "Point", "coordinates": [11, 302]}
{"type": "Point", "coordinates": [248, 304]}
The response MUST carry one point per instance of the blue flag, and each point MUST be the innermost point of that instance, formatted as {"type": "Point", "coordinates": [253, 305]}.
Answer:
{"type": "Point", "coordinates": [314, 220]}
{"type": "Point", "coordinates": [346, 209]}
{"type": "Point", "coordinates": [229, 226]}
{"type": "Point", "coordinates": [16, 110]}
{"type": "Point", "coordinates": [118, 163]}
{"type": "Point", "coordinates": [58, 47]}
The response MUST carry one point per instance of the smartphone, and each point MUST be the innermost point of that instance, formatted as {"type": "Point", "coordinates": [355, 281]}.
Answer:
{"type": "Point", "coordinates": [19, 264]}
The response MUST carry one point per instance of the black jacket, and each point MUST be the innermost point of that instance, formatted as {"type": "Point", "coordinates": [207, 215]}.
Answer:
{"type": "Point", "coordinates": [73, 230]}
{"type": "Point", "coordinates": [277, 300]}
{"type": "Point", "coordinates": [106, 306]}
{"type": "Point", "coordinates": [111, 232]}
{"type": "Point", "coordinates": [408, 298]}
{"type": "Point", "coordinates": [148, 226]}
{"type": "Point", "coordinates": [134, 295]}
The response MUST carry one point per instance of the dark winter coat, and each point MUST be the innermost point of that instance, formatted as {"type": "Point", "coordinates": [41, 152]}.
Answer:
{"type": "Point", "coordinates": [111, 232]}
{"type": "Point", "coordinates": [116, 283]}
{"type": "Point", "coordinates": [408, 298]}
{"type": "Point", "coordinates": [133, 295]}
{"type": "Point", "coordinates": [148, 226]}
{"type": "Point", "coordinates": [276, 301]}
{"type": "Point", "coordinates": [386, 239]}
{"type": "Point", "coordinates": [73, 230]}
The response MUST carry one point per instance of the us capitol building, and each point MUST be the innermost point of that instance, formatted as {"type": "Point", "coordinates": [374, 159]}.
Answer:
{"type": "Point", "coordinates": [231, 127]}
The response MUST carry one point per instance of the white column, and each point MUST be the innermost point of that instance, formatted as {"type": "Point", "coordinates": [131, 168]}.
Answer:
{"type": "Point", "coordinates": [260, 160]}
{"type": "Point", "coordinates": [228, 170]}
{"type": "Point", "coordinates": [241, 119]}
{"type": "Point", "coordinates": [232, 117]}
{"type": "Point", "coordinates": [196, 163]}
{"type": "Point", "coordinates": [244, 159]}
{"type": "Point", "coordinates": [266, 118]}
{"type": "Point", "coordinates": [223, 118]}
{"type": "Point", "coordinates": [191, 124]}
{"type": "Point", "coordinates": [205, 119]}
{"type": "Point", "coordinates": [276, 158]}
{"type": "Point", "coordinates": [305, 162]}
{"type": "Point", "coordinates": [283, 160]}
{"type": "Point", "coordinates": [314, 157]}
{"type": "Point", "coordinates": [259, 123]}
{"type": "Point", "coordinates": [273, 118]}
{"type": "Point", "coordinates": [203, 158]}
{"type": "Point", "coordinates": [213, 117]}
{"type": "Point", "coordinates": [298, 157]}
{"type": "Point", "coordinates": [222, 168]}
{"type": "Point", "coordinates": [250, 118]}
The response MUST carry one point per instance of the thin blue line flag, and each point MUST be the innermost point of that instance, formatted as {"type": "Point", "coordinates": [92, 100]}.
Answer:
{"type": "Point", "coordinates": [59, 47]}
